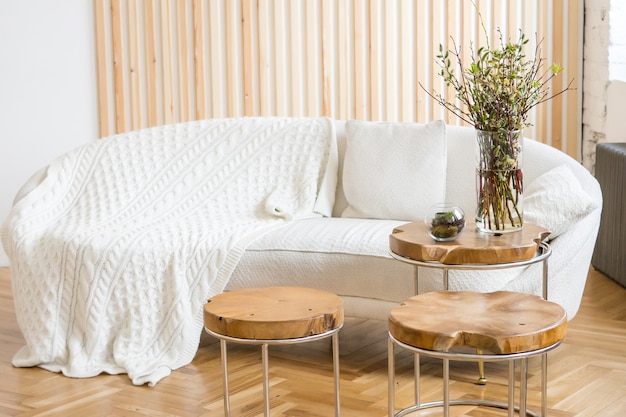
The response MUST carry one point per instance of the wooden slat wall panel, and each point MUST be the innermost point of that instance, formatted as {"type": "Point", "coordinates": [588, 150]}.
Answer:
{"type": "Point", "coordinates": [152, 64]}
{"type": "Point", "coordinates": [165, 61]}
{"type": "Point", "coordinates": [104, 80]}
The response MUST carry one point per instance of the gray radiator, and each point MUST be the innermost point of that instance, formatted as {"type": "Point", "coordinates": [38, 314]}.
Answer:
{"type": "Point", "coordinates": [609, 255]}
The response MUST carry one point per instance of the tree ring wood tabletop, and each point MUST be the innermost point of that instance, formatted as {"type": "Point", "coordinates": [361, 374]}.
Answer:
{"type": "Point", "coordinates": [412, 241]}
{"type": "Point", "coordinates": [273, 313]}
{"type": "Point", "coordinates": [500, 322]}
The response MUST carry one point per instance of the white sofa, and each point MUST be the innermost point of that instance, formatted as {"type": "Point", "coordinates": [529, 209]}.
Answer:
{"type": "Point", "coordinates": [350, 256]}
{"type": "Point", "coordinates": [116, 245]}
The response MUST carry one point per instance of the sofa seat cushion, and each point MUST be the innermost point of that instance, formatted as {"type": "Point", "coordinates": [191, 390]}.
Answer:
{"type": "Point", "coordinates": [350, 257]}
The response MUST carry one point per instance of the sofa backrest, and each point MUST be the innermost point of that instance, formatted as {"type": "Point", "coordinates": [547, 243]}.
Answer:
{"type": "Point", "coordinates": [459, 178]}
{"type": "Point", "coordinates": [538, 158]}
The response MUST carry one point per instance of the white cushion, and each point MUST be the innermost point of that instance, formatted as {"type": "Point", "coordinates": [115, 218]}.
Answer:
{"type": "Point", "coordinates": [394, 170]}
{"type": "Point", "coordinates": [350, 257]}
{"type": "Point", "coordinates": [556, 201]}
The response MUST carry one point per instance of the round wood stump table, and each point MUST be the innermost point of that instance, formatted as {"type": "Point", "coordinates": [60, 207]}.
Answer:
{"type": "Point", "coordinates": [411, 242]}
{"type": "Point", "coordinates": [272, 316]}
{"type": "Point", "coordinates": [505, 326]}
{"type": "Point", "coordinates": [471, 251]}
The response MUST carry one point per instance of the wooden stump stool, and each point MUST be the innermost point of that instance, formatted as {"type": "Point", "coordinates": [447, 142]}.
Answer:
{"type": "Point", "coordinates": [502, 326]}
{"type": "Point", "coordinates": [274, 315]}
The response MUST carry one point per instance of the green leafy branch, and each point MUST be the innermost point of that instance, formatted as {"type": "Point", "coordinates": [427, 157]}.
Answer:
{"type": "Point", "coordinates": [500, 86]}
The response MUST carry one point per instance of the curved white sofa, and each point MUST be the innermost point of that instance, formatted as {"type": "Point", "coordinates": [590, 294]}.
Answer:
{"type": "Point", "coordinates": [116, 246]}
{"type": "Point", "coordinates": [350, 256]}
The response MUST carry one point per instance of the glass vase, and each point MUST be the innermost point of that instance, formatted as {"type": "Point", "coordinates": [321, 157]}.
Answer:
{"type": "Point", "coordinates": [499, 181]}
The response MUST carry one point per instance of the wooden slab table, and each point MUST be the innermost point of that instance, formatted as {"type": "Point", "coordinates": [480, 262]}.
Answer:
{"type": "Point", "coordinates": [509, 326]}
{"type": "Point", "coordinates": [501, 322]}
{"type": "Point", "coordinates": [472, 250]}
{"type": "Point", "coordinates": [412, 241]}
{"type": "Point", "coordinates": [272, 316]}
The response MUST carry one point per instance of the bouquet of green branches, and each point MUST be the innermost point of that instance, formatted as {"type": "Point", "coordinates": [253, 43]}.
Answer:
{"type": "Point", "coordinates": [495, 95]}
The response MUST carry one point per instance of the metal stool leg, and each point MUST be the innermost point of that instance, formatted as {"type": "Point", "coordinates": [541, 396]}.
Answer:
{"type": "Point", "coordinates": [544, 384]}
{"type": "Point", "coordinates": [225, 377]}
{"type": "Point", "coordinates": [446, 387]}
{"type": "Point", "coordinates": [266, 383]}
{"type": "Point", "coordinates": [523, 386]}
{"type": "Point", "coordinates": [482, 379]}
{"type": "Point", "coordinates": [416, 377]}
{"type": "Point", "coordinates": [511, 388]}
{"type": "Point", "coordinates": [391, 385]}
{"type": "Point", "coordinates": [335, 340]}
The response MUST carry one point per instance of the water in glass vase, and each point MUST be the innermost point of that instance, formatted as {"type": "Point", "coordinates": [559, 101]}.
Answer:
{"type": "Point", "coordinates": [499, 181]}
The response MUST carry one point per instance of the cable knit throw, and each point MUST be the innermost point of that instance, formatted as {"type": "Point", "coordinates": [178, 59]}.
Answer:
{"type": "Point", "coordinates": [114, 253]}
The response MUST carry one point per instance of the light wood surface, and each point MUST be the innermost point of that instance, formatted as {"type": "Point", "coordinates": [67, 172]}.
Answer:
{"type": "Point", "coordinates": [585, 377]}
{"type": "Point", "coordinates": [412, 241]}
{"type": "Point", "coordinates": [273, 313]}
{"type": "Point", "coordinates": [500, 322]}
{"type": "Point", "coordinates": [167, 61]}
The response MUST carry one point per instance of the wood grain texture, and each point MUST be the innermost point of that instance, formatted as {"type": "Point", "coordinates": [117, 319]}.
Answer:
{"type": "Point", "coordinates": [344, 59]}
{"type": "Point", "coordinates": [412, 241]}
{"type": "Point", "coordinates": [273, 313]}
{"type": "Point", "coordinates": [585, 377]}
{"type": "Point", "coordinates": [100, 25]}
{"type": "Point", "coordinates": [500, 322]}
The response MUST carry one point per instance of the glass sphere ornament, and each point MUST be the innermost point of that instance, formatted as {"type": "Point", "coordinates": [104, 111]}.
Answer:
{"type": "Point", "coordinates": [445, 221]}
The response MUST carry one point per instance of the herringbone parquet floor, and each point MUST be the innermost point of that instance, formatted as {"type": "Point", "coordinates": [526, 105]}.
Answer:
{"type": "Point", "coordinates": [587, 374]}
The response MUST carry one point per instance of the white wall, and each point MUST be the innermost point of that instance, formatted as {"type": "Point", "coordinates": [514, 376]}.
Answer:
{"type": "Point", "coordinates": [605, 71]}
{"type": "Point", "coordinates": [48, 101]}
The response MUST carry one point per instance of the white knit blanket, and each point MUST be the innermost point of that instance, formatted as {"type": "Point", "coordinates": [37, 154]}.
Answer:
{"type": "Point", "coordinates": [115, 252]}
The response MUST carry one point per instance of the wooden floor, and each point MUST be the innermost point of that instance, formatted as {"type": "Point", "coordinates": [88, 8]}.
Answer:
{"type": "Point", "coordinates": [587, 374]}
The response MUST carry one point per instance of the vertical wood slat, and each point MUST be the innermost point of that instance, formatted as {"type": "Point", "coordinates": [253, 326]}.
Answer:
{"type": "Point", "coordinates": [167, 76]}
{"type": "Point", "coordinates": [361, 60]}
{"type": "Point", "coordinates": [102, 61]}
{"type": "Point", "coordinates": [184, 70]}
{"type": "Point", "coordinates": [119, 74]}
{"type": "Point", "coordinates": [217, 58]}
{"type": "Point", "coordinates": [152, 64]}
{"type": "Point", "coordinates": [390, 59]}
{"type": "Point", "coordinates": [573, 145]}
{"type": "Point", "coordinates": [164, 61]}
{"type": "Point", "coordinates": [407, 32]}
{"type": "Point", "coordinates": [468, 31]}
{"type": "Point", "coordinates": [282, 40]}
{"type": "Point", "coordinates": [329, 58]}
{"type": "Point", "coordinates": [249, 28]}
{"type": "Point", "coordinates": [558, 53]}
{"type": "Point", "coordinates": [345, 86]}
{"type": "Point", "coordinates": [453, 28]}
{"type": "Point", "coordinates": [298, 69]}
{"type": "Point", "coordinates": [266, 59]}
{"type": "Point", "coordinates": [543, 120]}
{"type": "Point", "coordinates": [313, 58]}
{"type": "Point", "coordinates": [135, 64]}
{"type": "Point", "coordinates": [438, 30]}
{"type": "Point", "coordinates": [199, 63]}
{"type": "Point", "coordinates": [424, 58]}
{"type": "Point", "coordinates": [376, 68]}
